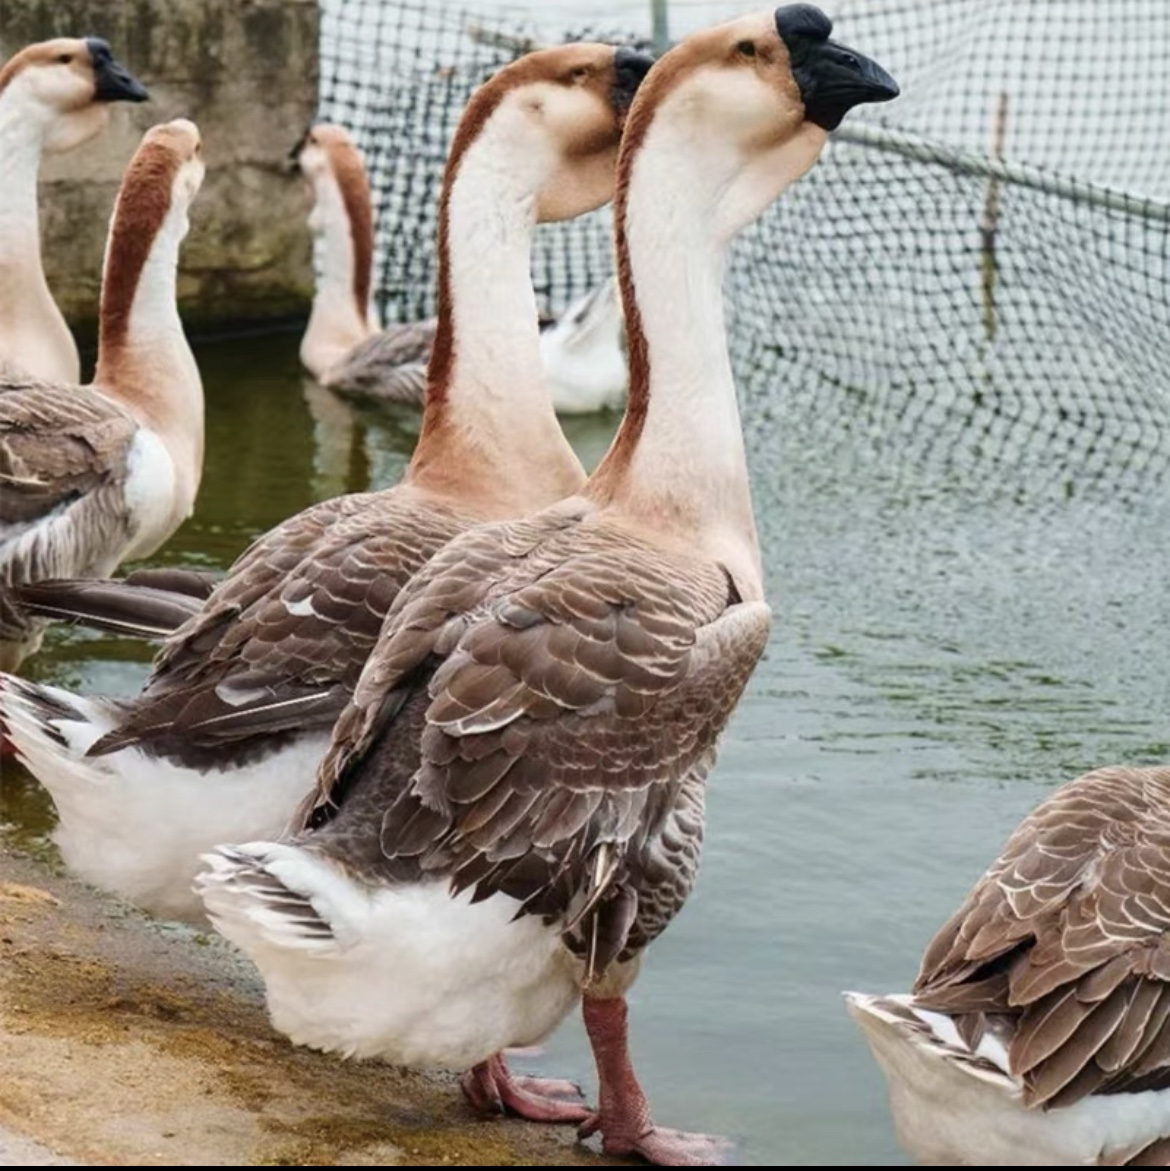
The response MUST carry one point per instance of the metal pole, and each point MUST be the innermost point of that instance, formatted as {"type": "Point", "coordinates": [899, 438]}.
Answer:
{"type": "Point", "coordinates": [659, 30]}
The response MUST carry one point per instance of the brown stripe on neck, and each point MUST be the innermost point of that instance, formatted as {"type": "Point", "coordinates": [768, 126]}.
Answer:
{"type": "Point", "coordinates": [659, 82]}
{"type": "Point", "coordinates": [143, 202]}
{"type": "Point", "coordinates": [354, 184]}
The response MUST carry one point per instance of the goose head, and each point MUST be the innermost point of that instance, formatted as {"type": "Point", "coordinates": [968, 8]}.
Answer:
{"type": "Point", "coordinates": [755, 98]}
{"type": "Point", "coordinates": [66, 86]}
{"type": "Point", "coordinates": [556, 116]}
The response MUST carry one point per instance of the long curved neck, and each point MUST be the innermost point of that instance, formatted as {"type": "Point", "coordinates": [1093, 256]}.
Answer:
{"type": "Point", "coordinates": [144, 361]}
{"type": "Point", "coordinates": [678, 461]}
{"type": "Point", "coordinates": [489, 430]}
{"type": "Point", "coordinates": [33, 333]}
{"type": "Point", "coordinates": [337, 321]}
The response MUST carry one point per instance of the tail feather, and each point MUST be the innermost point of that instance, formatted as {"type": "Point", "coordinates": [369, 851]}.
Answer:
{"type": "Point", "coordinates": [139, 606]}
{"type": "Point", "coordinates": [46, 727]}
{"type": "Point", "coordinates": [259, 892]}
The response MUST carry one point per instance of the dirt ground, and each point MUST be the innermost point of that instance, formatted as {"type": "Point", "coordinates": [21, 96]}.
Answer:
{"type": "Point", "coordinates": [127, 1042]}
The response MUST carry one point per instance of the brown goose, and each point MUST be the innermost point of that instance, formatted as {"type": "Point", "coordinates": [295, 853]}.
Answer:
{"type": "Point", "coordinates": [228, 733]}
{"type": "Point", "coordinates": [344, 349]}
{"type": "Point", "coordinates": [93, 475]}
{"type": "Point", "coordinates": [511, 809]}
{"type": "Point", "coordinates": [54, 96]}
{"type": "Point", "coordinates": [1038, 1031]}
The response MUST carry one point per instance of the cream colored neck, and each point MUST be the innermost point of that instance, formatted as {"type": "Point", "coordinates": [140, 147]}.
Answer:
{"type": "Point", "coordinates": [493, 417]}
{"type": "Point", "coordinates": [151, 370]}
{"type": "Point", "coordinates": [685, 471]}
{"type": "Point", "coordinates": [33, 335]}
{"type": "Point", "coordinates": [337, 323]}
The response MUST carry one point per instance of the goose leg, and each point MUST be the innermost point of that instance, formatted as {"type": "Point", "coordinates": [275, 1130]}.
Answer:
{"type": "Point", "coordinates": [623, 1116]}
{"type": "Point", "coordinates": [492, 1088]}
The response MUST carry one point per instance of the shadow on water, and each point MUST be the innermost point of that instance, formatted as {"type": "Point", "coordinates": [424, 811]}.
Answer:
{"type": "Point", "coordinates": [945, 648]}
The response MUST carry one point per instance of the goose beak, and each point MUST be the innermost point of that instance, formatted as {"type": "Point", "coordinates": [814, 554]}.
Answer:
{"type": "Point", "coordinates": [113, 82]}
{"type": "Point", "coordinates": [832, 77]}
{"type": "Point", "coordinates": [629, 67]}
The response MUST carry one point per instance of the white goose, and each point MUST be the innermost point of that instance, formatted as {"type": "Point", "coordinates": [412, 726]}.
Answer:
{"type": "Point", "coordinates": [1038, 1030]}
{"type": "Point", "coordinates": [511, 809]}
{"type": "Point", "coordinates": [344, 349]}
{"type": "Point", "coordinates": [54, 96]}
{"type": "Point", "coordinates": [93, 475]}
{"type": "Point", "coordinates": [227, 734]}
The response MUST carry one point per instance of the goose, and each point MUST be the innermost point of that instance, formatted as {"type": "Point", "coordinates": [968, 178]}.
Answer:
{"type": "Point", "coordinates": [511, 808]}
{"type": "Point", "coordinates": [225, 738]}
{"type": "Point", "coordinates": [54, 96]}
{"type": "Point", "coordinates": [343, 347]}
{"type": "Point", "coordinates": [94, 475]}
{"type": "Point", "coordinates": [1037, 1031]}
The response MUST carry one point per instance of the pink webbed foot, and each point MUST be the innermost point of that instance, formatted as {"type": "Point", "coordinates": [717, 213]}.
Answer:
{"type": "Point", "coordinates": [659, 1145]}
{"type": "Point", "coordinates": [623, 1117]}
{"type": "Point", "coordinates": [492, 1088]}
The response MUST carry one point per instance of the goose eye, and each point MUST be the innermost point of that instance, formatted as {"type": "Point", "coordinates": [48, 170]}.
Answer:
{"type": "Point", "coordinates": [747, 48]}
{"type": "Point", "coordinates": [65, 59]}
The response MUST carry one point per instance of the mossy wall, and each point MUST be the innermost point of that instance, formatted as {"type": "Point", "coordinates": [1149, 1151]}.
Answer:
{"type": "Point", "coordinates": [246, 72]}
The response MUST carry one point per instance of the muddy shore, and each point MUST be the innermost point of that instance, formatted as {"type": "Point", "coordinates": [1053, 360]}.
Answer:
{"type": "Point", "coordinates": [124, 1041]}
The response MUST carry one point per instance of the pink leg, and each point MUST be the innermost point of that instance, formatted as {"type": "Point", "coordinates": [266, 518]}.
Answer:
{"type": "Point", "coordinates": [492, 1088]}
{"type": "Point", "coordinates": [623, 1117]}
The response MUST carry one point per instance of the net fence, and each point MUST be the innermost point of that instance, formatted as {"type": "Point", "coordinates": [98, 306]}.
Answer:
{"type": "Point", "coordinates": [972, 279]}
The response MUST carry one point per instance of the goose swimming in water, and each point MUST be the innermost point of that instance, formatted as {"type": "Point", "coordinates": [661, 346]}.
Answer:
{"type": "Point", "coordinates": [511, 809]}
{"type": "Point", "coordinates": [227, 734]}
{"type": "Point", "coordinates": [1038, 1030]}
{"type": "Point", "coordinates": [344, 349]}
{"type": "Point", "coordinates": [54, 96]}
{"type": "Point", "coordinates": [93, 475]}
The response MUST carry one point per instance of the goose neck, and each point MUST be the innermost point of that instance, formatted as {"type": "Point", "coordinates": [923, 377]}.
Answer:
{"type": "Point", "coordinates": [340, 318]}
{"type": "Point", "coordinates": [678, 460]}
{"type": "Point", "coordinates": [144, 360]}
{"type": "Point", "coordinates": [488, 409]}
{"type": "Point", "coordinates": [21, 143]}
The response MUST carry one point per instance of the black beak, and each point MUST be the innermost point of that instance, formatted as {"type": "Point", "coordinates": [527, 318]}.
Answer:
{"type": "Point", "coordinates": [629, 68]}
{"type": "Point", "coordinates": [113, 82]}
{"type": "Point", "coordinates": [832, 77]}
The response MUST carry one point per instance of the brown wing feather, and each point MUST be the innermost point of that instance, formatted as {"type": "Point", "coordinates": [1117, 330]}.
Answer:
{"type": "Point", "coordinates": [58, 444]}
{"type": "Point", "coordinates": [391, 365]}
{"type": "Point", "coordinates": [573, 679]}
{"type": "Point", "coordinates": [1067, 933]}
{"type": "Point", "coordinates": [63, 452]}
{"type": "Point", "coordinates": [282, 640]}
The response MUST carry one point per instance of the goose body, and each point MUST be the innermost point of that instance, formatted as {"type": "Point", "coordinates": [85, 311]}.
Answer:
{"type": "Point", "coordinates": [226, 736]}
{"type": "Point", "coordinates": [346, 351]}
{"type": "Point", "coordinates": [54, 95]}
{"type": "Point", "coordinates": [93, 475]}
{"type": "Point", "coordinates": [1037, 1031]}
{"type": "Point", "coordinates": [531, 735]}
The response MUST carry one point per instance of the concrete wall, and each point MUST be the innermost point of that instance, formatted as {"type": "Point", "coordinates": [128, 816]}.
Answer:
{"type": "Point", "coordinates": [246, 72]}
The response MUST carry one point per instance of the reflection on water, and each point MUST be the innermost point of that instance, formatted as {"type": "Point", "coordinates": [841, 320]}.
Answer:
{"type": "Point", "coordinates": [942, 654]}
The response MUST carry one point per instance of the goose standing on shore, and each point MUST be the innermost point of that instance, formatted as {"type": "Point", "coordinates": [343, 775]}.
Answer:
{"type": "Point", "coordinates": [511, 809]}
{"type": "Point", "coordinates": [54, 96]}
{"type": "Point", "coordinates": [344, 349]}
{"type": "Point", "coordinates": [227, 734]}
{"type": "Point", "coordinates": [93, 475]}
{"type": "Point", "coordinates": [1038, 1030]}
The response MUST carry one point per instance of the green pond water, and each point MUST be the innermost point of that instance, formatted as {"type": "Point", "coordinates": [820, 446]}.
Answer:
{"type": "Point", "coordinates": [946, 648]}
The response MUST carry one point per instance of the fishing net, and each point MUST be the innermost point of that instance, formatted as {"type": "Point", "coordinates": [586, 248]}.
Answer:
{"type": "Point", "coordinates": [972, 279]}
